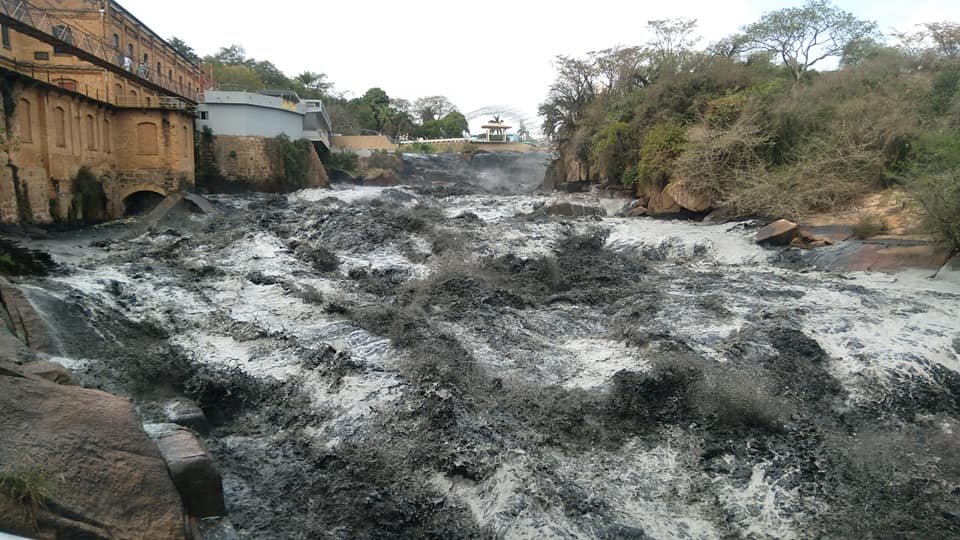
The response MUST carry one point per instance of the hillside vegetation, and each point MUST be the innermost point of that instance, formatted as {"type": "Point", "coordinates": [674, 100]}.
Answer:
{"type": "Point", "coordinates": [803, 111]}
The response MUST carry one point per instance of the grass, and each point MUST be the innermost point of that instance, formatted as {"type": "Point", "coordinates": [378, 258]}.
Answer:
{"type": "Point", "coordinates": [28, 485]}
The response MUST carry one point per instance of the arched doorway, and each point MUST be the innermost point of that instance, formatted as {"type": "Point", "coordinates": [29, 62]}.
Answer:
{"type": "Point", "coordinates": [141, 202]}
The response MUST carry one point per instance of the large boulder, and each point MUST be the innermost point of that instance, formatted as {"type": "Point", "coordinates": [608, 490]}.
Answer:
{"type": "Point", "coordinates": [682, 194]}
{"type": "Point", "coordinates": [778, 233]}
{"type": "Point", "coordinates": [572, 209]}
{"type": "Point", "coordinates": [378, 177]}
{"type": "Point", "coordinates": [192, 469]}
{"type": "Point", "coordinates": [84, 455]}
{"type": "Point", "coordinates": [663, 204]}
{"type": "Point", "coordinates": [25, 321]}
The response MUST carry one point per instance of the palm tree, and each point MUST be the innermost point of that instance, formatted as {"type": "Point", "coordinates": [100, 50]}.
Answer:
{"type": "Point", "coordinates": [522, 133]}
{"type": "Point", "coordinates": [496, 119]}
{"type": "Point", "coordinates": [314, 81]}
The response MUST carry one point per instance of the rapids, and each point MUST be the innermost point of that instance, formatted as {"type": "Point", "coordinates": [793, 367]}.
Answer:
{"type": "Point", "coordinates": [443, 359]}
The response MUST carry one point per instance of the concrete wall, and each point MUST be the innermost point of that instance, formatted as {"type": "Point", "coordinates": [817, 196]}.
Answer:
{"type": "Point", "coordinates": [355, 143]}
{"type": "Point", "coordinates": [246, 114]}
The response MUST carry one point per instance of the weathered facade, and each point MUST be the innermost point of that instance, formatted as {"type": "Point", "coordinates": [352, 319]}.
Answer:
{"type": "Point", "coordinates": [131, 129]}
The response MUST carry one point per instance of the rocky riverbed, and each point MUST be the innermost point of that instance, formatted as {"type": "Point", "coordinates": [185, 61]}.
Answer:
{"type": "Point", "coordinates": [446, 359]}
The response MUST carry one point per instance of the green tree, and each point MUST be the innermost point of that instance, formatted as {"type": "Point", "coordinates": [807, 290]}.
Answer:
{"type": "Point", "coordinates": [432, 108]}
{"type": "Point", "coordinates": [803, 36]}
{"type": "Point", "coordinates": [315, 81]}
{"type": "Point", "coordinates": [184, 50]}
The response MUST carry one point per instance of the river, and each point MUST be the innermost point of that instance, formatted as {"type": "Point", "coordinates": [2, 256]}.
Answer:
{"type": "Point", "coordinates": [443, 359]}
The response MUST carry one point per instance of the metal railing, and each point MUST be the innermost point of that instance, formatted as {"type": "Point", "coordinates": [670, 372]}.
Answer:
{"type": "Point", "coordinates": [38, 23]}
{"type": "Point", "coordinates": [60, 79]}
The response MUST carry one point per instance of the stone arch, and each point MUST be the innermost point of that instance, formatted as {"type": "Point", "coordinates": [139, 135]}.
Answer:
{"type": "Point", "coordinates": [141, 199]}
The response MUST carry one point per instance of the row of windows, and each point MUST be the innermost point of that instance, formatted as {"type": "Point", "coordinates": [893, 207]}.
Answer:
{"type": "Point", "coordinates": [148, 142]}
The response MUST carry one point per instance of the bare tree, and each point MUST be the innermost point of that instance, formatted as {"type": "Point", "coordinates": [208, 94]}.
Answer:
{"type": "Point", "coordinates": [672, 42]}
{"type": "Point", "coordinates": [946, 37]}
{"type": "Point", "coordinates": [803, 36]}
{"type": "Point", "coordinates": [620, 69]}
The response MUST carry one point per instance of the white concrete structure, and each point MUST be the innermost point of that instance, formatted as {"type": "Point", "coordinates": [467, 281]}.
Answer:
{"type": "Point", "coordinates": [260, 115]}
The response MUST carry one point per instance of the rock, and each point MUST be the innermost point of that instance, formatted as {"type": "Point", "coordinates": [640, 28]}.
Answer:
{"type": "Point", "coordinates": [50, 371]}
{"type": "Point", "coordinates": [192, 469]}
{"type": "Point", "coordinates": [378, 177]}
{"type": "Point", "coordinates": [26, 322]}
{"type": "Point", "coordinates": [778, 233]}
{"type": "Point", "coordinates": [663, 204]}
{"type": "Point", "coordinates": [694, 201]}
{"type": "Point", "coordinates": [104, 477]}
{"type": "Point", "coordinates": [186, 413]}
{"type": "Point", "coordinates": [636, 211]}
{"type": "Point", "coordinates": [571, 209]}
{"type": "Point", "coordinates": [213, 528]}
{"type": "Point", "coordinates": [950, 272]}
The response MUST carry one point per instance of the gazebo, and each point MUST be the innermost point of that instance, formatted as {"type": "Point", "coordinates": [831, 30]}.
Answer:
{"type": "Point", "coordinates": [496, 130]}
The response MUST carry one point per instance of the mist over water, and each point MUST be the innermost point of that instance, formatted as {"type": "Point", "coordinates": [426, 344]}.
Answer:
{"type": "Point", "coordinates": [445, 359]}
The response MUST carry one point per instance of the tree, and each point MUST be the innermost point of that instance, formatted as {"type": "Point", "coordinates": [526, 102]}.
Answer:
{"type": "Point", "coordinates": [233, 55]}
{"type": "Point", "coordinates": [433, 108]}
{"type": "Point", "coordinates": [803, 36]}
{"type": "Point", "coordinates": [568, 97]}
{"type": "Point", "coordinates": [946, 37]}
{"type": "Point", "coordinates": [315, 81]}
{"type": "Point", "coordinates": [672, 42]}
{"type": "Point", "coordinates": [184, 50]}
{"type": "Point", "coordinates": [621, 69]}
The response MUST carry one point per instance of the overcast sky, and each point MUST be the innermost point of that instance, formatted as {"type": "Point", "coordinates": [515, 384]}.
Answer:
{"type": "Point", "coordinates": [488, 52]}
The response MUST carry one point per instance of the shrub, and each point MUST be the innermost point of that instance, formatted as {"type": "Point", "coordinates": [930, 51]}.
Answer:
{"type": "Point", "coordinates": [662, 145]}
{"type": "Point", "coordinates": [870, 226]}
{"type": "Point", "coordinates": [939, 196]}
{"type": "Point", "coordinates": [613, 148]}
{"type": "Point", "coordinates": [630, 176]}
{"type": "Point", "coordinates": [343, 161]}
{"type": "Point", "coordinates": [294, 155]}
{"type": "Point", "coordinates": [418, 148]}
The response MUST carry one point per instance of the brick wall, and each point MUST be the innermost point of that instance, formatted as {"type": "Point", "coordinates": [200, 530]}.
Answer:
{"type": "Point", "coordinates": [53, 133]}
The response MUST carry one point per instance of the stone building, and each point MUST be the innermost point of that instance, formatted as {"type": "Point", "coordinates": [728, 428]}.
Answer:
{"type": "Point", "coordinates": [86, 85]}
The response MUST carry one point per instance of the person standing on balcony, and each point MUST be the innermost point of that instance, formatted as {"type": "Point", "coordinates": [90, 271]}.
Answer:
{"type": "Point", "coordinates": [127, 63]}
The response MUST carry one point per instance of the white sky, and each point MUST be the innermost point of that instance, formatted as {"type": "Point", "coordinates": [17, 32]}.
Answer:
{"type": "Point", "coordinates": [487, 52]}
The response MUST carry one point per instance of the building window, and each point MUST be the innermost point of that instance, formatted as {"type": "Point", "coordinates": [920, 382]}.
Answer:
{"type": "Point", "coordinates": [204, 115]}
{"type": "Point", "coordinates": [170, 75]}
{"type": "Point", "coordinates": [186, 142]}
{"type": "Point", "coordinates": [147, 143]}
{"type": "Point", "coordinates": [5, 33]}
{"type": "Point", "coordinates": [105, 136]}
{"type": "Point", "coordinates": [41, 55]}
{"type": "Point", "coordinates": [63, 33]}
{"type": "Point", "coordinates": [116, 42]}
{"type": "Point", "coordinates": [130, 50]}
{"type": "Point", "coordinates": [91, 133]}
{"type": "Point", "coordinates": [26, 121]}
{"type": "Point", "coordinates": [60, 126]}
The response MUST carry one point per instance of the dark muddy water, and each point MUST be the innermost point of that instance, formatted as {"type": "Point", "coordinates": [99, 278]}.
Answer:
{"type": "Point", "coordinates": [444, 360]}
